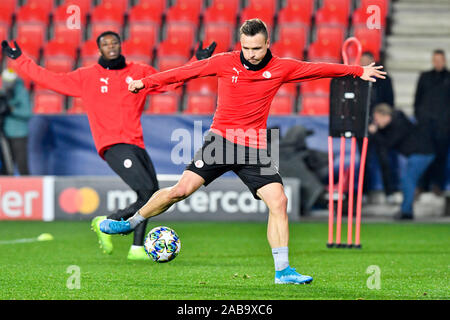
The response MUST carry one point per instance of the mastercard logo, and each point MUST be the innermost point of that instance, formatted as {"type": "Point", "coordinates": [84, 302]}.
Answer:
{"type": "Point", "coordinates": [84, 200]}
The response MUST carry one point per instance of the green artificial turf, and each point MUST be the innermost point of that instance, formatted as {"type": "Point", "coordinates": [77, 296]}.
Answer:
{"type": "Point", "coordinates": [226, 261]}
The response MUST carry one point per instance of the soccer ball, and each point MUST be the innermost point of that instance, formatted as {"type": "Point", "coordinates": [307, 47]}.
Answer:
{"type": "Point", "coordinates": [162, 244]}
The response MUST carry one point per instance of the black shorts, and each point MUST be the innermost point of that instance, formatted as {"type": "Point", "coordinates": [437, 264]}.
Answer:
{"type": "Point", "coordinates": [253, 166]}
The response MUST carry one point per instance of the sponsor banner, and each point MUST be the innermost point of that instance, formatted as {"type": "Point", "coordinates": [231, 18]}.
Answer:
{"type": "Point", "coordinates": [227, 199]}
{"type": "Point", "coordinates": [22, 198]}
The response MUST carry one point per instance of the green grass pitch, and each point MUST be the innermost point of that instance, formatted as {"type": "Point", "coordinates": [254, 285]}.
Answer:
{"type": "Point", "coordinates": [227, 261]}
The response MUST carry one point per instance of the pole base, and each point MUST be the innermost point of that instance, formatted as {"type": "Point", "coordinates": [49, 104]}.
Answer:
{"type": "Point", "coordinates": [330, 245]}
{"type": "Point", "coordinates": [357, 246]}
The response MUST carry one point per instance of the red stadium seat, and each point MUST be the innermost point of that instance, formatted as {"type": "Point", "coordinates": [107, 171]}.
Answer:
{"type": "Point", "coordinates": [89, 53]}
{"type": "Point", "coordinates": [60, 15]}
{"type": "Point", "coordinates": [145, 14]}
{"type": "Point", "coordinates": [328, 45]}
{"type": "Point", "coordinates": [59, 63]}
{"type": "Point", "coordinates": [98, 28]}
{"type": "Point", "coordinates": [171, 47]}
{"type": "Point", "coordinates": [136, 50]}
{"type": "Point", "coordinates": [31, 25]}
{"type": "Point", "coordinates": [316, 87]}
{"type": "Point", "coordinates": [46, 5]}
{"type": "Point", "coordinates": [59, 47]}
{"type": "Point", "coordinates": [222, 11]}
{"type": "Point", "coordinates": [89, 49]}
{"type": "Point", "coordinates": [269, 5]}
{"type": "Point", "coordinates": [72, 37]}
{"type": "Point", "coordinates": [333, 12]}
{"type": "Point", "coordinates": [371, 40]}
{"type": "Point", "coordinates": [48, 102]}
{"type": "Point", "coordinates": [221, 33]}
{"type": "Point", "coordinates": [293, 33]}
{"type": "Point", "coordinates": [121, 5]}
{"type": "Point", "coordinates": [289, 88]}
{"type": "Point", "coordinates": [206, 85]}
{"type": "Point", "coordinates": [145, 31]}
{"type": "Point", "coordinates": [137, 46]}
{"type": "Point", "coordinates": [4, 31]}
{"type": "Point", "coordinates": [84, 5]}
{"type": "Point", "coordinates": [298, 11]}
{"type": "Point", "coordinates": [30, 46]}
{"type": "Point", "coordinates": [107, 12]}
{"type": "Point", "coordinates": [170, 62]}
{"type": "Point", "coordinates": [7, 8]}
{"type": "Point", "coordinates": [251, 12]}
{"type": "Point", "coordinates": [185, 11]}
{"type": "Point", "coordinates": [200, 103]}
{"type": "Point", "coordinates": [366, 14]}
{"type": "Point", "coordinates": [88, 61]}
{"type": "Point", "coordinates": [334, 34]}
{"type": "Point", "coordinates": [165, 103]}
{"type": "Point", "coordinates": [32, 13]}
{"type": "Point", "coordinates": [315, 105]}
{"type": "Point", "coordinates": [286, 49]}
{"type": "Point", "coordinates": [76, 106]}
{"type": "Point", "coordinates": [158, 6]}
{"type": "Point", "coordinates": [282, 104]}
{"type": "Point", "coordinates": [183, 32]}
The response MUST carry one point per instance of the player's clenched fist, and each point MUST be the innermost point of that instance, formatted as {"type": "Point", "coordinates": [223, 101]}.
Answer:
{"type": "Point", "coordinates": [135, 86]}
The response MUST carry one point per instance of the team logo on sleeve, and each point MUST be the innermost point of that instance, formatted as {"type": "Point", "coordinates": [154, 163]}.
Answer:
{"type": "Point", "coordinates": [267, 75]}
{"type": "Point", "coordinates": [128, 79]}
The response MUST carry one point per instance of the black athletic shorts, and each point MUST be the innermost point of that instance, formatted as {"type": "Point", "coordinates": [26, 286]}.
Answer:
{"type": "Point", "coordinates": [218, 155]}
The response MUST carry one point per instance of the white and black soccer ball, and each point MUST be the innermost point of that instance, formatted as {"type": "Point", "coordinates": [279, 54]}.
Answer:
{"type": "Point", "coordinates": [162, 244]}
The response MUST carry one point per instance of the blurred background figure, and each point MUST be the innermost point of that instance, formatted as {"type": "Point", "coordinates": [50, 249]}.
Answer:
{"type": "Point", "coordinates": [393, 130]}
{"type": "Point", "coordinates": [15, 114]}
{"type": "Point", "coordinates": [432, 109]}
{"type": "Point", "coordinates": [382, 92]}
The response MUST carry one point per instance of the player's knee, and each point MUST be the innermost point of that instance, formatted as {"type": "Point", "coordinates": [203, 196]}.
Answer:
{"type": "Point", "coordinates": [279, 206]}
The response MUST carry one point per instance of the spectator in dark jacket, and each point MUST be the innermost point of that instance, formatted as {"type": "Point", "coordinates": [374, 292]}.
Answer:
{"type": "Point", "coordinates": [432, 110]}
{"type": "Point", "coordinates": [393, 130]}
{"type": "Point", "coordinates": [382, 92]}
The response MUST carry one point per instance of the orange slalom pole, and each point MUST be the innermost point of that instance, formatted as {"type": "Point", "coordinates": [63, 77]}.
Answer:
{"type": "Point", "coordinates": [360, 192]}
{"type": "Point", "coordinates": [330, 192]}
{"type": "Point", "coordinates": [340, 192]}
{"type": "Point", "coordinates": [350, 193]}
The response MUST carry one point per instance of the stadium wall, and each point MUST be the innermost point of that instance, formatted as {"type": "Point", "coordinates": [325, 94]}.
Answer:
{"type": "Point", "coordinates": [73, 198]}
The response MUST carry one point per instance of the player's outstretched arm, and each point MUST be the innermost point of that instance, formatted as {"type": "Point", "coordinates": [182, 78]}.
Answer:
{"type": "Point", "coordinates": [201, 68]}
{"type": "Point", "coordinates": [65, 83]}
{"type": "Point", "coordinates": [371, 72]}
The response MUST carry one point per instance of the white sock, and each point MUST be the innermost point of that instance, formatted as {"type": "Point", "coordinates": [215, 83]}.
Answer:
{"type": "Point", "coordinates": [135, 220]}
{"type": "Point", "coordinates": [134, 247]}
{"type": "Point", "coordinates": [280, 258]}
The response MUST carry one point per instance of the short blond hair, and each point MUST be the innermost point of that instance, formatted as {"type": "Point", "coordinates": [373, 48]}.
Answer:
{"type": "Point", "coordinates": [384, 109]}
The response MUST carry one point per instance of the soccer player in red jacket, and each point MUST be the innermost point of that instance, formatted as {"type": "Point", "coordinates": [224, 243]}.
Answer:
{"type": "Point", "coordinates": [114, 116]}
{"type": "Point", "coordinates": [247, 82]}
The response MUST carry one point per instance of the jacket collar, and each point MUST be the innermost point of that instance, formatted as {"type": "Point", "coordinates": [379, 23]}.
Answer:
{"type": "Point", "coordinates": [259, 66]}
{"type": "Point", "coordinates": [115, 64]}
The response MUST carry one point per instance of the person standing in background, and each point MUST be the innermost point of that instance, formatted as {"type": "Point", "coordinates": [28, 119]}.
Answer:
{"type": "Point", "coordinates": [432, 109]}
{"type": "Point", "coordinates": [382, 93]}
{"type": "Point", "coordinates": [15, 124]}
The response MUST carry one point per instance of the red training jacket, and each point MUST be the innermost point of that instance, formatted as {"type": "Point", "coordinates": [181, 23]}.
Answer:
{"type": "Point", "coordinates": [114, 113]}
{"type": "Point", "coordinates": [245, 96]}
